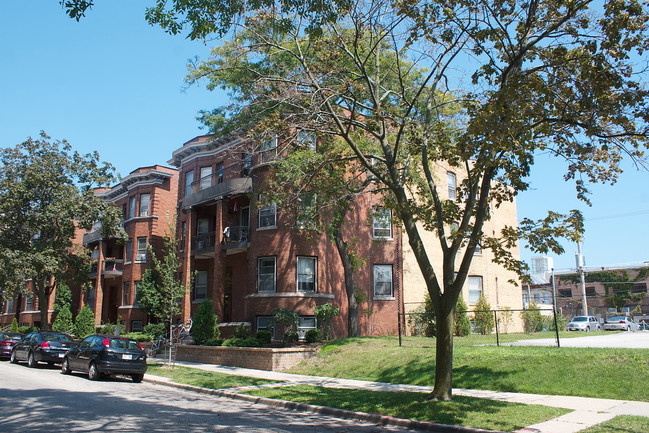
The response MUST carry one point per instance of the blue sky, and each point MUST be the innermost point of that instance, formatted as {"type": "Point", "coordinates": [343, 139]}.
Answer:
{"type": "Point", "coordinates": [113, 83]}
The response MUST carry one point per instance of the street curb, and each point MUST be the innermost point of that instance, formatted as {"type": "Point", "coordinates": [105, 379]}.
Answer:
{"type": "Point", "coordinates": [324, 410]}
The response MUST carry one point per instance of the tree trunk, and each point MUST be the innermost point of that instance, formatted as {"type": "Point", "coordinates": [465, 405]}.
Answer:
{"type": "Point", "coordinates": [445, 323]}
{"type": "Point", "coordinates": [348, 270]}
{"type": "Point", "coordinates": [43, 296]}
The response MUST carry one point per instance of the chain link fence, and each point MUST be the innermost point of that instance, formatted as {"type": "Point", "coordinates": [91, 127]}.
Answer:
{"type": "Point", "coordinates": [486, 327]}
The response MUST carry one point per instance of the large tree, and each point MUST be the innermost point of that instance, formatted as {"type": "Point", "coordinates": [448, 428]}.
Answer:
{"type": "Point", "coordinates": [46, 194]}
{"type": "Point", "coordinates": [529, 76]}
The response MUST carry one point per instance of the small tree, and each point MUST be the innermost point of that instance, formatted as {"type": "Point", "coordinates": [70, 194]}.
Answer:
{"type": "Point", "coordinates": [287, 320]}
{"type": "Point", "coordinates": [84, 324]}
{"type": "Point", "coordinates": [324, 314]}
{"type": "Point", "coordinates": [532, 319]}
{"type": "Point", "coordinates": [205, 325]}
{"type": "Point", "coordinates": [483, 318]}
{"type": "Point", "coordinates": [462, 322]}
{"type": "Point", "coordinates": [63, 321]}
{"type": "Point", "coordinates": [14, 326]}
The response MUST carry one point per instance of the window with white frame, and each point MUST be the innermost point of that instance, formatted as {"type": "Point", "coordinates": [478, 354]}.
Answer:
{"type": "Point", "coordinates": [206, 177]}
{"type": "Point", "coordinates": [452, 185]}
{"type": "Point", "coordinates": [141, 250]}
{"type": "Point", "coordinates": [266, 323]}
{"type": "Point", "coordinates": [189, 180]}
{"type": "Point", "coordinates": [10, 305]}
{"type": "Point", "coordinates": [475, 288]}
{"type": "Point", "coordinates": [200, 286]}
{"type": "Point", "coordinates": [478, 250]}
{"type": "Point", "coordinates": [382, 281]}
{"type": "Point", "coordinates": [145, 201]}
{"type": "Point", "coordinates": [268, 216]}
{"type": "Point", "coordinates": [29, 303]}
{"type": "Point", "coordinates": [306, 139]}
{"type": "Point", "coordinates": [306, 274]}
{"type": "Point", "coordinates": [131, 207]}
{"type": "Point", "coordinates": [381, 223]}
{"type": "Point", "coordinates": [305, 324]}
{"type": "Point", "coordinates": [266, 275]}
{"type": "Point", "coordinates": [126, 293]}
{"type": "Point", "coordinates": [136, 294]}
{"type": "Point", "coordinates": [269, 150]}
{"type": "Point", "coordinates": [128, 251]}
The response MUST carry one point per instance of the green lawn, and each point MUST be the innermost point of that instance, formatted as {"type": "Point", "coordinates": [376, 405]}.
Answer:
{"type": "Point", "coordinates": [204, 379]}
{"type": "Point", "coordinates": [465, 411]}
{"type": "Point", "coordinates": [621, 424]}
{"type": "Point", "coordinates": [600, 373]}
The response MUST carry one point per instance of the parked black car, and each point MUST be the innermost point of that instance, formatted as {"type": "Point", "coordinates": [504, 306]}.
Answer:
{"type": "Point", "coordinates": [100, 355]}
{"type": "Point", "coordinates": [41, 346]}
{"type": "Point", "coordinates": [7, 342]}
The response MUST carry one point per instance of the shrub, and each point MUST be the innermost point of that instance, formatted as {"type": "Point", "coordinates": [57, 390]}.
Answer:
{"type": "Point", "coordinates": [313, 336]}
{"type": "Point", "coordinates": [14, 326]}
{"type": "Point", "coordinates": [214, 342]}
{"type": "Point", "coordinates": [139, 336]}
{"type": "Point", "coordinates": [205, 325]}
{"type": "Point", "coordinates": [324, 314]}
{"type": "Point", "coordinates": [532, 318]}
{"type": "Point", "coordinates": [562, 322]}
{"type": "Point", "coordinates": [290, 337]}
{"type": "Point", "coordinates": [241, 342]}
{"type": "Point", "coordinates": [462, 322]}
{"type": "Point", "coordinates": [232, 342]}
{"type": "Point", "coordinates": [288, 320]}
{"type": "Point", "coordinates": [264, 336]}
{"type": "Point", "coordinates": [63, 321]}
{"type": "Point", "coordinates": [109, 328]}
{"type": "Point", "coordinates": [483, 317]}
{"type": "Point", "coordinates": [242, 331]}
{"type": "Point", "coordinates": [422, 319]}
{"type": "Point", "coordinates": [27, 329]}
{"type": "Point", "coordinates": [154, 329]}
{"type": "Point", "coordinates": [84, 324]}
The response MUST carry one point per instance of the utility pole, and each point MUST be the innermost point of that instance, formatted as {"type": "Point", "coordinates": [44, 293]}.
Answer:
{"type": "Point", "coordinates": [579, 259]}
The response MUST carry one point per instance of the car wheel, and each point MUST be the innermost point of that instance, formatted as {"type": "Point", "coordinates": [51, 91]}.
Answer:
{"type": "Point", "coordinates": [628, 328]}
{"type": "Point", "coordinates": [31, 361]}
{"type": "Point", "coordinates": [93, 373]}
{"type": "Point", "coordinates": [587, 329]}
{"type": "Point", "coordinates": [137, 378]}
{"type": "Point", "coordinates": [65, 367]}
{"type": "Point", "coordinates": [12, 358]}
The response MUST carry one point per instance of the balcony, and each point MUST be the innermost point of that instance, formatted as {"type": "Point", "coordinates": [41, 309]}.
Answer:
{"type": "Point", "coordinates": [236, 239]}
{"type": "Point", "coordinates": [208, 190]}
{"type": "Point", "coordinates": [203, 245]}
{"type": "Point", "coordinates": [111, 268]}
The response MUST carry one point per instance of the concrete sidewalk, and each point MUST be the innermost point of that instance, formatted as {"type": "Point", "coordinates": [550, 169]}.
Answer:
{"type": "Point", "coordinates": [586, 412]}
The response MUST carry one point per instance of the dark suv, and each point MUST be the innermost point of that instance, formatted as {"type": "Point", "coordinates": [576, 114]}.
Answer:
{"type": "Point", "coordinates": [41, 346]}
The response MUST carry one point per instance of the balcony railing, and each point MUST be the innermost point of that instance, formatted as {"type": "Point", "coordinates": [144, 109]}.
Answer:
{"type": "Point", "coordinates": [110, 267]}
{"type": "Point", "coordinates": [205, 192]}
{"type": "Point", "coordinates": [236, 237]}
{"type": "Point", "coordinates": [203, 243]}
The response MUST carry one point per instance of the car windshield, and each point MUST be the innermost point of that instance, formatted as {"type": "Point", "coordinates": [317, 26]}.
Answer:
{"type": "Point", "coordinates": [580, 319]}
{"type": "Point", "coordinates": [123, 343]}
{"type": "Point", "coordinates": [56, 337]}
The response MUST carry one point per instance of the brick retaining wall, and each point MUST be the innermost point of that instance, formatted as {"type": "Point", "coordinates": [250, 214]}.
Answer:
{"type": "Point", "coordinates": [259, 358]}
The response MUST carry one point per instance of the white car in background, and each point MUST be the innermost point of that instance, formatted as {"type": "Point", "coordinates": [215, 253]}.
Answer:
{"type": "Point", "coordinates": [620, 323]}
{"type": "Point", "coordinates": [584, 323]}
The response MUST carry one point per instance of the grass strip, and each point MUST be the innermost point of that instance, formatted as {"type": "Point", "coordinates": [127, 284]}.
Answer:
{"type": "Point", "coordinates": [621, 424]}
{"type": "Point", "coordinates": [599, 373]}
{"type": "Point", "coordinates": [203, 378]}
{"type": "Point", "coordinates": [465, 411]}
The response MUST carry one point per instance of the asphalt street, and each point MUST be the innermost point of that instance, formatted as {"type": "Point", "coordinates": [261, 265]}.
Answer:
{"type": "Point", "coordinates": [44, 400]}
{"type": "Point", "coordinates": [630, 340]}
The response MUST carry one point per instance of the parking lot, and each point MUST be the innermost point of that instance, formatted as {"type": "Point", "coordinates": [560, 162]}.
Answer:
{"type": "Point", "coordinates": [628, 340]}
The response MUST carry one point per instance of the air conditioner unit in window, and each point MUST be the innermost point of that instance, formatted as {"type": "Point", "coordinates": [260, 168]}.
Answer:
{"type": "Point", "coordinates": [140, 257]}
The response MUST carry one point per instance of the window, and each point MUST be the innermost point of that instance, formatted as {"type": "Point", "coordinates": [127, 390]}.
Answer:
{"type": "Point", "coordinates": [10, 305]}
{"type": "Point", "coordinates": [381, 223]}
{"type": "Point", "coordinates": [565, 293]}
{"type": "Point", "coordinates": [475, 288]}
{"type": "Point", "coordinates": [128, 254]}
{"type": "Point", "coordinates": [268, 216]}
{"type": "Point", "coordinates": [91, 298]}
{"type": "Point", "coordinates": [126, 293]}
{"type": "Point", "coordinates": [306, 274]}
{"type": "Point", "coordinates": [136, 295]}
{"type": "Point", "coordinates": [382, 281]}
{"type": "Point", "coordinates": [29, 303]}
{"type": "Point", "coordinates": [269, 150]}
{"type": "Point", "coordinates": [200, 286]}
{"type": "Point", "coordinates": [247, 160]}
{"type": "Point", "coordinates": [145, 200]}
{"type": "Point", "coordinates": [306, 139]}
{"type": "Point", "coordinates": [189, 180]}
{"type": "Point", "coordinates": [478, 250]}
{"type": "Point", "coordinates": [136, 326]}
{"type": "Point", "coordinates": [202, 226]}
{"type": "Point", "coordinates": [638, 288]}
{"type": "Point", "coordinates": [305, 324]}
{"type": "Point", "coordinates": [183, 235]}
{"type": "Point", "coordinates": [206, 177]}
{"type": "Point", "coordinates": [590, 291]}
{"type": "Point", "coordinates": [266, 322]}
{"type": "Point", "coordinates": [221, 169]}
{"type": "Point", "coordinates": [452, 191]}
{"type": "Point", "coordinates": [141, 250]}
{"type": "Point", "coordinates": [307, 211]}
{"type": "Point", "coordinates": [266, 283]}
{"type": "Point", "coordinates": [131, 207]}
